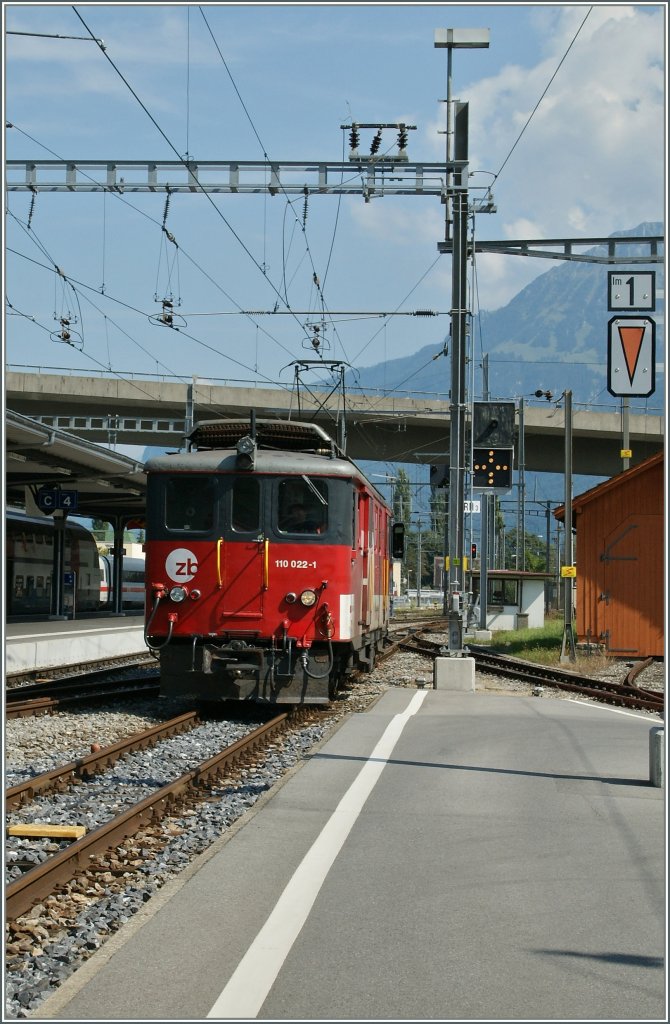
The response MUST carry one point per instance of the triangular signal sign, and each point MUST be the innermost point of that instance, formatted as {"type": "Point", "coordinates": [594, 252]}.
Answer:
{"type": "Point", "coordinates": [631, 342]}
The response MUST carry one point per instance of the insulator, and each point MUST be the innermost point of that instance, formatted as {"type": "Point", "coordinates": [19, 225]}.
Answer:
{"type": "Point", "coordinates": [402, 139]}
{"type": "Point", "coordinates": [32, 207]}
{"type": "Point", "coordinates": [354, 138]}
{"type": "Point", "coordinates": [65, 335]}
{"type": "Point", "coordinates": [376, 143]}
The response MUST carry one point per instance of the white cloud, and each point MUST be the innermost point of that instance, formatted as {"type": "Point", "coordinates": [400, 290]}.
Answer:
{"type": "Point", "coordinates": [591, 160]}
{"type": "Point", "coordinates": [393, 221]}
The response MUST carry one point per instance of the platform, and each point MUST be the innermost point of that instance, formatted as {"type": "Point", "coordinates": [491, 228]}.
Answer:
{"type": "Point", "coordinates": [443, 856]}
{"type": "Point", "coordinates": [57, 643]}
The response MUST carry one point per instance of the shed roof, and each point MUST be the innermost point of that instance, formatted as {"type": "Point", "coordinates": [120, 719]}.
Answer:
{"type": "Point", "coordinates": [621, 479]}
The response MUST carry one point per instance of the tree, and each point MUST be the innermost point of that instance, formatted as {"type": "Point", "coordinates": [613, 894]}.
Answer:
{"type": "Point", "coordinates": [535, 550]}
{"type": "Point", "coordinates": [439, 508]}
{"type": "Point", "coordinates": [402, 499]}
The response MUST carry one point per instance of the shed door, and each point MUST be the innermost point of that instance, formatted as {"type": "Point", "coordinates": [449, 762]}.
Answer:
{"type": "Point", "coordinates": [623, 592]}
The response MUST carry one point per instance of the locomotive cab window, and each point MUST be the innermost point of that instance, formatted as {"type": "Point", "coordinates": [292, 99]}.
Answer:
{"type": "Point", "coordinates": [189, 504]}
{"type": "Point", "coordinates": [302, 505]}
{"type": "Point", "coordinates": [246, 504]}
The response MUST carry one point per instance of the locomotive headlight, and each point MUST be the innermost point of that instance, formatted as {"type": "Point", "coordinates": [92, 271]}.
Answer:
{"type": "Point", "coordinates": [308, 598]}
{"type": "Point", "coordinates": [291, 598]}
{"type": "Point", "coordinates": [178, 594]}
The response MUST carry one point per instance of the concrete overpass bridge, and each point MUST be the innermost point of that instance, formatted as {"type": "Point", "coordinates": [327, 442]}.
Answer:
{"type": "Point", "coordinates": [386, 429]}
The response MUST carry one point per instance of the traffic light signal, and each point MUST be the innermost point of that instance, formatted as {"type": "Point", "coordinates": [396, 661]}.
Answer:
{"type": "Point", "coordinates": [492, 468]}
{"type": "Point", "coordinates": [473, 551]}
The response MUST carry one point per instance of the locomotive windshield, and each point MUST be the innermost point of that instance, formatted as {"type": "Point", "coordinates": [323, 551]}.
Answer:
{"type": "Point", "coordinates": [246, 507]}
{"type": "Point", "coordinates": [189, 503]}
{"type": "Point", "coordinates": [302, 505]}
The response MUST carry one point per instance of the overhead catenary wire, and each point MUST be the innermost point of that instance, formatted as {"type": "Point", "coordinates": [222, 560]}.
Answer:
{"type": "Point", "coordinates": [253, 128]}
{"type": "Point", "coordinates": [319, 285]}
{"type": "Point", "coordinates": [534, 110]}
{"type": "Point", "coordinates": [190, 336]}
{"type": "Point", "coordinates": [322, 282]}
{"type": "Point", "coordinates": [153, 220]}
{"type": "Point", "coordinates": [198, 341]}
{"type": "Point", "coordinates": [169, 142]}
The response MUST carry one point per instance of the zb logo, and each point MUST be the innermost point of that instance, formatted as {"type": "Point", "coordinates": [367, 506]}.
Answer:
{"type": "Point", "coordinates": [181, 565]}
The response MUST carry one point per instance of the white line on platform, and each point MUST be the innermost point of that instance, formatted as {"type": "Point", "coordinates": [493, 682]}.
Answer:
{"type": "Point", "coordinates": [254, 976]}
{"type": "Point", "coordinates": [604, 707]}
{"type": "Point", "coordinates": [72, 632]}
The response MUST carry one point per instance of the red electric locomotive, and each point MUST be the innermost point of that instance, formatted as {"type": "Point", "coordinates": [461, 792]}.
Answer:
{"type": "Point", "coordinates": [267, 564]}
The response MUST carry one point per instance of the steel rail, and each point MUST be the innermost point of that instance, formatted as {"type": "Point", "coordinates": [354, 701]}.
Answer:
{"type": "Point", "coordinates": [98, 677]}
{"type": "Point", "coordinates": [44, 705]}
{"type": "Point", "coordinates": [89, 670]}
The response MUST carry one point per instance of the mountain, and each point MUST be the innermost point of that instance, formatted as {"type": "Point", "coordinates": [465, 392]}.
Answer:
{"type": "Point", "coordinates": [552, 337]}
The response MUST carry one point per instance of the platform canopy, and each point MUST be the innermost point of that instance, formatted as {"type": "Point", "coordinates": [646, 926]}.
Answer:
{"type": "Point", "coordinates": [40, 458]}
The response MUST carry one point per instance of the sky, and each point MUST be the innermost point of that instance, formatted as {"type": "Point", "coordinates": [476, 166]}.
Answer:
{"type": "Point", "coordinates": [566, 127]}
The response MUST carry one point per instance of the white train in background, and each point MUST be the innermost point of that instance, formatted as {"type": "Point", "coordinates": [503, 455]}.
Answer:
{"type": "Point", "coordinates": [132, 581]}
{"type": "Point", "coordinates": [29, 565]}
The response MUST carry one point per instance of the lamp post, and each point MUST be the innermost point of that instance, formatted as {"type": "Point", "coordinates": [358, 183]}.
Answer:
{"type": "Point", "coordinates": [568, 652]}
{"type": "Point", "coordinates": [419, 557]}
{"type": "Point", "coordinates": [454, 39]}
{"type": "Point", "coordinates": [456, 201]}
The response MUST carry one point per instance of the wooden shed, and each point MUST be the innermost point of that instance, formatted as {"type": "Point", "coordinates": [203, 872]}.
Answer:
{"type": "Point", "coordinates": [620, 559]}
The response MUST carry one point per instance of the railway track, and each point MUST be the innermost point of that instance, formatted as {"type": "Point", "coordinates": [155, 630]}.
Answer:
{"type": "Point", "coordinates": [84, 768]}
{"type": "Point", "coordinates": [625, 694]}
{"type": "Point", "coordinates": [104, 866]}
{"type": "Point", "coordinates": [41, 881]}
{"type": "Point", "coordinates": [42, 699]}
{"type": "Point", "coordinates": [100, 668]}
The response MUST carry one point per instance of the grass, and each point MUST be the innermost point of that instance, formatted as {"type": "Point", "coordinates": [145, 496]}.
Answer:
{"type": "Point", "coordinates": [543, 647]}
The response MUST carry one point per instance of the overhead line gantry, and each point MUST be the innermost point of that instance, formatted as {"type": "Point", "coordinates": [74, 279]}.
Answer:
{"type": "Point", "coordinates": [372, 177]}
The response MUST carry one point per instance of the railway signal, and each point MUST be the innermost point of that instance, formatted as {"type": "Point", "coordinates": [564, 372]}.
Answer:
{"type": "Point", "coordinates": [492, 469]}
